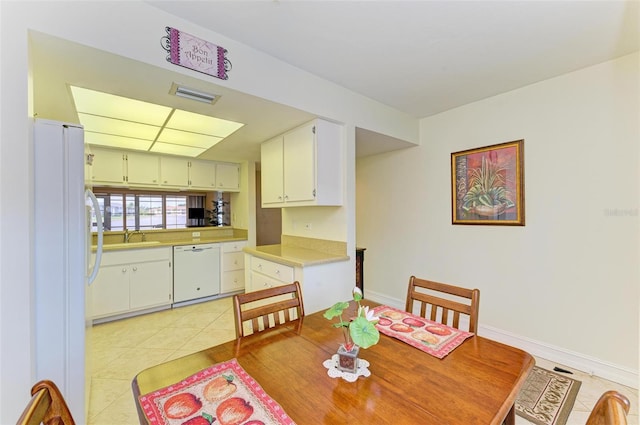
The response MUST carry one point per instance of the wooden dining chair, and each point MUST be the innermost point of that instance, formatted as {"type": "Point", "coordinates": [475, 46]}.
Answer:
{"type": "Point", "coordinates": [431, 298]}
{"type": "Point", "coordinates": [47, 406]}
{"type": "Point", "coordinates": [610, 409]}
{"type": "Point", "coordinates": [263, 314]}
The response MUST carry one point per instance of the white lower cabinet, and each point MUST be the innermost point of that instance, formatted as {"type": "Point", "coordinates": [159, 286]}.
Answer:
{"type": "Point", "coordinates": [232, 267]}
{"type": "Point", "coordinates": [132, 280]}
{"type": "Point", "coordinates": [267, 274]}
{"type": "Point", "coordinates": [322, 284]}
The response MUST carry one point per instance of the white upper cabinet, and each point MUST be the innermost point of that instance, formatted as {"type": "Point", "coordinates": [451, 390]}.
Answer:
{"type": "Point", "coordinates": [303, 167]}
{"type": "Point", "coordinates": [174, 171]}
{"type": "Point", "coordinates": [108, 167]}
{"type": "Point", "coordinates": [142, 169]}
{"type": "Point", "coordinates": [227, 176]}
{"type": "Point", "coordinates": [113, 167]}
{"type": "Point", "coordinates": [202, 175]}
{"type": "Point", "coordinates": [118, 168]}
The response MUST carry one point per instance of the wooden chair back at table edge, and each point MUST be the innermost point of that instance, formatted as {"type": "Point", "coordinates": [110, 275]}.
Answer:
{"type": "Point", "coordinates": [428, 297]}
{"type": "Point", "coordinates": [610, 409]}
{"type": "Point", "coordinates": [47, 406]}
{"type": "Point", "coordinates": [261, 317]}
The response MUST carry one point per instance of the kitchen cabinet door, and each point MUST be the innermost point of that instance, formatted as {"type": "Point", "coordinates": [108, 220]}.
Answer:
{"type": "Point", "coordinates": [110, 291]}
{"type": "Point", "coordinates": [174, 172]}
{"type": "Point", "coordinates": [150, 284]}
{"type": "Point", "coordinates": [227, 176]}
{"type": "Point", "coordinates": [272, 172]}
{"type": "Point", "coordinates": [108, 167]}
{"type": "Point", "coordinates": [143, 169]}
{"type": "Point", "coordinates": [202, 175]}
{"type": "Point", "coordinates": [299, 164]}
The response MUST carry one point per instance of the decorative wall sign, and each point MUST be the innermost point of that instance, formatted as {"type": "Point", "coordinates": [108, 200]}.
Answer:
{"type": "Point", "coordinates": [487, 185]}
{"type": "Point", "coordinates": [193, 53]}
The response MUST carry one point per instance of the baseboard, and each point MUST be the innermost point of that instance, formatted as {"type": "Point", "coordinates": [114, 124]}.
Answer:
{"type": "Point", "coordinates": [562, 356]}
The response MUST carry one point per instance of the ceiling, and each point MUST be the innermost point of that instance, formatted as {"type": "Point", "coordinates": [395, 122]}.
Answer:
{"type": "Point", "coordinates": [420, 57]}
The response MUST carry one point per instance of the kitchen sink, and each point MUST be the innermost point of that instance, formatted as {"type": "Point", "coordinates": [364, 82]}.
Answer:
{"type": "Point", "coordinates": [130, 244]}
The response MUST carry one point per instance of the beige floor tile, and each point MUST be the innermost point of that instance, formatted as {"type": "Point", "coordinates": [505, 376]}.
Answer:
{"type": "Point", "coordinates": [122, 411]}
{"type": "Point", "coordinates": [169, 338]}
{"type": "Point", "coordinates": [106, 391]}
{"type": "Point", "coordinates": [130, 363]}
{"type": "Point", "coordinates": [208, 338]}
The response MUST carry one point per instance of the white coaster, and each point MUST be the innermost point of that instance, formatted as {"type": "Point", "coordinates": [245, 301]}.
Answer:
{"type": "Point", "coordinates": [334, 372]}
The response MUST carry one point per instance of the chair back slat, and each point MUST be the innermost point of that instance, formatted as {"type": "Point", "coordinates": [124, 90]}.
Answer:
{"type": "Point", "coordinates": [276, 306]}
{"type": "Point", "coordinates": [430, 296]}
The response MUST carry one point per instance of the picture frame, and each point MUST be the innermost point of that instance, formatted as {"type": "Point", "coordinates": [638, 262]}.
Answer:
{"type": "Point", "coordinates": [487, 185]}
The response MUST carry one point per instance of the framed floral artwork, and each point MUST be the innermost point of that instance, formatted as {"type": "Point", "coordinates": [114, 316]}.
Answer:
{"type": "Point", "coordinates": [487, 185]}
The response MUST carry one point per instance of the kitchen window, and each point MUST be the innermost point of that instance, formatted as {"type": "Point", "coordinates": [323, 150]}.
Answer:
{"type": "Point", "coordinates": [137, 210]}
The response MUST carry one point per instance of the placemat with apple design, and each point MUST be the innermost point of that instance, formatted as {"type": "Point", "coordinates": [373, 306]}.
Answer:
{"type": "Point", "coordinates": [223, 394]}
{"type": "Point", "coordinates": [431, 337]}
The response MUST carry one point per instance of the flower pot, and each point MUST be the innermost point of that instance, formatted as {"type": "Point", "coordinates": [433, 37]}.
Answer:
{"type": "Point", "coordinates": [348, 360]}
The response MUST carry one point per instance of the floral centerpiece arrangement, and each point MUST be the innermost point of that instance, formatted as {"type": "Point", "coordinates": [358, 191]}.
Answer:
{"type": "Point", "coordinates": [359, 332]}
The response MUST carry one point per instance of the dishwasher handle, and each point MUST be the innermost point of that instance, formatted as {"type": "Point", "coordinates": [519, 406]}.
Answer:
{"type": "Point", "coordinates": [194, 249]}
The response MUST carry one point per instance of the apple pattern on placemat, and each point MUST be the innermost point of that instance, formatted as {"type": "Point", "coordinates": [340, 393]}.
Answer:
{"type": "Point", "coordinates": [223, 394]}
{"type": "Point", "coordinates": [431, 337]}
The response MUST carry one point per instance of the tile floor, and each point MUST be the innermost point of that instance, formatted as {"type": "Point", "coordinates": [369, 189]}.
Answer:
{"type": "Point", "coordinates": [123, 348]}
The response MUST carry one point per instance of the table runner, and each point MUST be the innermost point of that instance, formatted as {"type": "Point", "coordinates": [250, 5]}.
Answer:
{"type": "Point", "coordinates": [431, 337]}
{"type": "Point", "coordinates": [223, 394]}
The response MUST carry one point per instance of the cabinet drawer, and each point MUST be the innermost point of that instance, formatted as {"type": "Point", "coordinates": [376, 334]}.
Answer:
{"type": "Point", "coordinates": [233, 261]}
{"type": "Point", "coordinates": [232, 281]}
{"type": "Point", "coordinates": [235, 246]}
{"type": "Point", "coordinates": [274, 270]}
{"type": "Point", "coordinates": [260, 281]}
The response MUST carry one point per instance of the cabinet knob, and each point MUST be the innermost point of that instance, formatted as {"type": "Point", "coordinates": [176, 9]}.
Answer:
{"type": "Point", "coordinates": [235, 262]}
{"type": "Point", "coordinates": [135, 269]}
{"type": "Point", "coordinates": [124, 270]}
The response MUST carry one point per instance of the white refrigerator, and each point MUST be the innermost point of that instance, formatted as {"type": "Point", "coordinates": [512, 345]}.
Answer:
{"type": "Point", "coordinates": [62, 244]}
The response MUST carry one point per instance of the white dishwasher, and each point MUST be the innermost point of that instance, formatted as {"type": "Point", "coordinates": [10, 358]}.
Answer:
{"type": "Point", "coordinates": [196, 271]}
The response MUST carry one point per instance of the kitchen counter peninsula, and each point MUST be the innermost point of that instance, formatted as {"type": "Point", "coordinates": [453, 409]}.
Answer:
{"type": "Point", "coordinates": [322, 267]}
{"type": "Point", "coordinates": [293, 255]}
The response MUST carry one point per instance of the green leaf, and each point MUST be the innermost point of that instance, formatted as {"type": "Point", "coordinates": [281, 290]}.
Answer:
{"type": "Point", "coordinates": [363, 332]}
{"type": "Point", "coordinates": [336, 310]}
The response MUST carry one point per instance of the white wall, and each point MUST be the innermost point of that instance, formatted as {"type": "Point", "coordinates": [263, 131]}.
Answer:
{"type": "Point", "coordinates": [132, 29]}
{"type": "Point", "coordinates": [567, 282]}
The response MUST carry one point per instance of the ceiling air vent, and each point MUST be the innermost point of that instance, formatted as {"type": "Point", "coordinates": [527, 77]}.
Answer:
{"type": "Point", "coordinates": [193, 94]}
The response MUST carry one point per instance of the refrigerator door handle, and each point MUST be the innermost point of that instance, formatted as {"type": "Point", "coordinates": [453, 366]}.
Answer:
{"type": "Point", "coordinates": [96, 266]}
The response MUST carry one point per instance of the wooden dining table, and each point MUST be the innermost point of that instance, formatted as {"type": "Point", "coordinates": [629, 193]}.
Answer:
{"type": "Point", "coordinates": [477, 383]}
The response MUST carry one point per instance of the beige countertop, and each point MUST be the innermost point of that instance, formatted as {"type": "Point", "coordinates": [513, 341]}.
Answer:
{"type": "Point", "coordinates": [293, 255]}
{"type": "Point", "coordinates": [157, 244]}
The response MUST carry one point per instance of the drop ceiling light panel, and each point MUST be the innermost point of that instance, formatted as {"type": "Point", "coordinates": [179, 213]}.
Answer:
{"type": "Point", "coordinates": [109, 105]}
{"type": "Point", "coordinates": [186, 138]}
{"type": "Point", "coordinates": [119, 122]}
{"type": "Point", "coordinates": [171, 149]}
{"type": "Point", "coordinates": [196, 123]}
{"type": "Point", "coordinates": [109, 140]}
